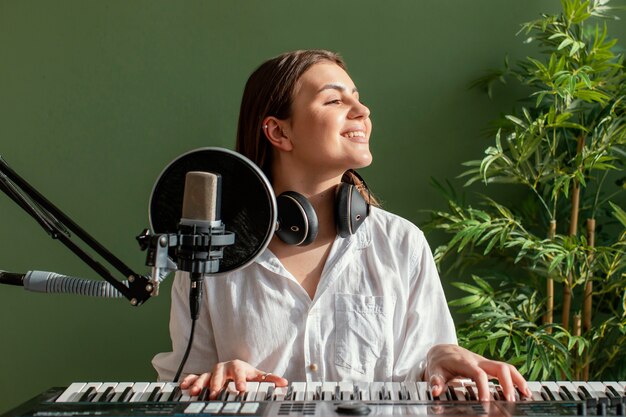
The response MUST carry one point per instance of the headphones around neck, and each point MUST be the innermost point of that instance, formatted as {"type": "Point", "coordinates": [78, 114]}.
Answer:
{"type": "Point", "coordinates": [297, 220]}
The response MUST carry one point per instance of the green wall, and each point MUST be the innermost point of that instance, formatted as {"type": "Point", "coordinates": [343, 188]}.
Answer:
{"type": "Point", "coordinates": [96, 97]}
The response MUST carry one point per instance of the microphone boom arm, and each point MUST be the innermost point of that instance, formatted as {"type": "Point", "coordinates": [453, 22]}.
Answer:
{"type": "Point", "coordinates": [54, 221]}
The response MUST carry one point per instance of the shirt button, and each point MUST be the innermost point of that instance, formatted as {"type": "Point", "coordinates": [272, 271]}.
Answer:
{"type": "Point", "coordinates": [313, 367]}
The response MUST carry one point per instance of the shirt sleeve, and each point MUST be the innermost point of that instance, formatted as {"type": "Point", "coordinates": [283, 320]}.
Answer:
{"type": "Point", "coordinates": [428, 319]}
{"type": "Point", "coordinates": [202, 356]}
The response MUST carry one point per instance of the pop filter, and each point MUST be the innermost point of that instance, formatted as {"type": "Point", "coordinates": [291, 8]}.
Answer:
{"type": "Point", "coordinates": [248, 204]}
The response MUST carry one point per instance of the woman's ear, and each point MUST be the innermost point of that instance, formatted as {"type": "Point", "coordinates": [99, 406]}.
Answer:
{"type": "Point", "coordinates": [275, 133]}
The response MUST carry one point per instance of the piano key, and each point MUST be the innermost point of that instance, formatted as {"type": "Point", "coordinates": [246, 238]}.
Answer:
{"type": "Point", "coordinates": [70, 391]}
{"type": "Point", "coordinates": [376, 391]}
{"type": "Point", "coordinates": [312, 389]}
{"type": "Point", "coordinates": [105, 393]}
{"type": "Point", "coordinates": [122, 392]}
{"type": "Point", "coordinates": [404, 394]}
{"type": "Point", "coordinates": [88, 392]}
{"type": "Point", "coordinates": [328, 391]}
{"type": "Point", "coordinates": [586, 393]}
{"type": "Point", "coordinates": [553, 391]}
{"type": "Point", "coordinates": [422, 390]}
{"type": "Point", "coordinates": [176, 394]}
{"type": "Point", "coordinates": [569, 391]}
{"type": "Point", "coordinates": [140, 389]}
{"type": "Point", "coordinates": [204, 394]}
{"type": "Point", "coordinates": [251, 389]}
{"type": "Point", "coordinates": [411, 389]}
{"type": "Point", "coordinates": [363, 389]}
{"type": "Point", "coordinates": [346, 390]}
{"type": "Point", "coordinates": [280, 393]}
{"type": "Point", "coordinates": [600, 391]}
{"type": "Point", "coordinates": [166, 391]}
{"type": "Point", "coordinates": [230, 392]}
{"type": "Point", "coordinates": [457, 390]}
{"type": "Point", "coordinates": [269, 396]}
{"type": "Point", "coordinates": [394, 389]}
{"type": "Point", "coordinates": [299, 391]}
{"type": "Point", "coordinates": [536, 390]}
{"type": "Point", "coordinates": [615, 392]}
{"type": "Point", "coordinates": [155, 394]}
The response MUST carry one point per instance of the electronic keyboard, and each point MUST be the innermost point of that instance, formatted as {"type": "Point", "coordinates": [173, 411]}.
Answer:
{"type": "Point", "coordinates": [324, 399]}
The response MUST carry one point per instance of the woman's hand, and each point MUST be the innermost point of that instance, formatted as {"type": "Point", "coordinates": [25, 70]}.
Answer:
{"type": "Point", "coordinates": [238, 371]}
{"type": "Point", "coordinates": [446, 362]}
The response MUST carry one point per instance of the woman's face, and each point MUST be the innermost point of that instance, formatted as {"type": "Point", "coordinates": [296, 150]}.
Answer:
{"type": "Point", "coordinates": [329, 127]}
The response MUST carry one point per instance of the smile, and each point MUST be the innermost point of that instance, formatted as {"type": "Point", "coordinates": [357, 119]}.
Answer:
{"type": "Point", "coordinates": [354, 134]}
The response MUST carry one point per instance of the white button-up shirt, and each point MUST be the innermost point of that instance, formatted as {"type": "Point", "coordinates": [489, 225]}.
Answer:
{"type": "Point", "coordinates": [378, 308]}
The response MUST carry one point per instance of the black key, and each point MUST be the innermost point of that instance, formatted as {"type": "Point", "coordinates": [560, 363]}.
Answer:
{"type": "Point", "coordinates": [270, 394]}
{"type": "Point", "coordinates": [404, 394]}
{"type": "Point", "coordinates": [107, 395]}
{"type": "Point", "coordinates": [452, 394]}
{"type": "Point", "coordinates": [223, 393]}
{"type": "Point", "coordinates": [548, 394]}
{"type": "Point", "coordinates": [155, 394]}
{"type": "Point", "coordinates": [613, 395]}
{"type": "Point", "coordinates": [472, 393]}
{"type": "Point", "coordinates": [337, 394]}
{"type": "Point", "coordinates": [584, 392]}
{"type": "Point", "coordinates": [290, 393]}
{"type": "Point", "coordinates": [126, 394]}
{"type": "Point", "coordinates": [566, 394]}
{"type": "Point", "coordinates": [176, 394]}
{"type": "Point", "coordinates": [500, 393]}
{"type": "Point", "coordinates": [204, 394]}
{"type": "Point", "coordinates": [88, 395]}
{"type": "Point", "coordinates": [356, 394]}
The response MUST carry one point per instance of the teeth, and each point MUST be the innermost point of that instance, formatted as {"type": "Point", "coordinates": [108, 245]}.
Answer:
{"type": "Point", "coordinates": [357, 133]}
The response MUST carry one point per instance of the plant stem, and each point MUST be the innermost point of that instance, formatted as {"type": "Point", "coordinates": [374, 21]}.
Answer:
{"type": "Point", "coordinates": [587, 299]}
{"type": "Point", "coordinates": [549, 316]}
{"type": "Point", "coordinates": [573, 227]}
{"type": "Point", "coordinates": [576, 332]}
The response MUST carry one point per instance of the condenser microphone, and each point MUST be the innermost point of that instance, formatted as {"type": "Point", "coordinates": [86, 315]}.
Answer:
{"type": "Point", "coordinates": [199, 223]}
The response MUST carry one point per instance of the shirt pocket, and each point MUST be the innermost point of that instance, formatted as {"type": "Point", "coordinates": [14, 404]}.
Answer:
{"type": "Point", "coordinates": [363, 324]}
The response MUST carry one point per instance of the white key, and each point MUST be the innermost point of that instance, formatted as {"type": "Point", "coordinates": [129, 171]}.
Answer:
{"type": "Point", "coordinates": [167, 390]}
{"type": "Point", "coordinates": [119, 390]}
{"type": "Point", "coordinates": [553, 388]}
{"type": "Point", "coordinates": [459, 390]}
{"type": "Point", "coordinates": [87, 386]}
{"type": "Point", "coordinates": [280, 392]}
{"type": "Point", "coordinates": [535, 388]}
{"type": "Point", "coordinates": [299, 391]}
{"type": "Point", "coordinates": [346, 390]}
{"type": "Point", "coordinates": [376, 390]}
{"type": "Point", "coordinates": [311, 390]}
{"type": "Point", "coordinates": [364, 391]}
{"type": "Point", "coordinates": [231, 392]}
{"type": "Point", "coordinates": [393, 388]}
{"type": "Point", "coordinates": [411, 389]}
{"type": "Point", "coordinates": [590, 390]}
{"type": "Point", "coordinates": [600, 390]}
{"type": "Point", "coordinates": [70, 392]}
{"type": "Point", "coordinates": [262, 391]}
{"type": "Point", "coordinates": [571, 388]}
{"type": "Point", "coordinates": [139, 389]}
{"type": "Point", "coordinates": [617, 387]}
{"type": "Point", "coordinates": [328, 391]}
{"type": "Point", "coordinates": [251, 389]}
{"type": "Point", "coordinates": [422, 390]}
{"type": "Point", "coordinates": [105, 386]}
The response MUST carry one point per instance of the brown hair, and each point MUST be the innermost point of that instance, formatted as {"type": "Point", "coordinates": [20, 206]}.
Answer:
{"type": "Point", "coordinates": [269, 92]}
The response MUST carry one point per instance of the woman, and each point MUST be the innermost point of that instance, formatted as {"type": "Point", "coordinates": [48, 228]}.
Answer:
{"type": "Point", "coordinates": [368, 307]}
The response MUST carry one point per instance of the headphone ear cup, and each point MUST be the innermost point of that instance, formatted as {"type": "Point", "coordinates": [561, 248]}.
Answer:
{"type": "Point", "coordinates": [351, 209]}
{"type": "Point", "coordinates": [297, 221]}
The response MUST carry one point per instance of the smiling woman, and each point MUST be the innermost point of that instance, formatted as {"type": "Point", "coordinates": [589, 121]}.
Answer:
{"type": "Point", "coordinates": [363, 306]}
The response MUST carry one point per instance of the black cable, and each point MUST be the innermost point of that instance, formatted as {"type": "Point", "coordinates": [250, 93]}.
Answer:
{"type": "Point", "coordinates": [186, 355]}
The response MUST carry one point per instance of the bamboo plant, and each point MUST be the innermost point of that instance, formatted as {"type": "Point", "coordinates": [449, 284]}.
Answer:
{"type": "Point", "coordinates": [545, 275]}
